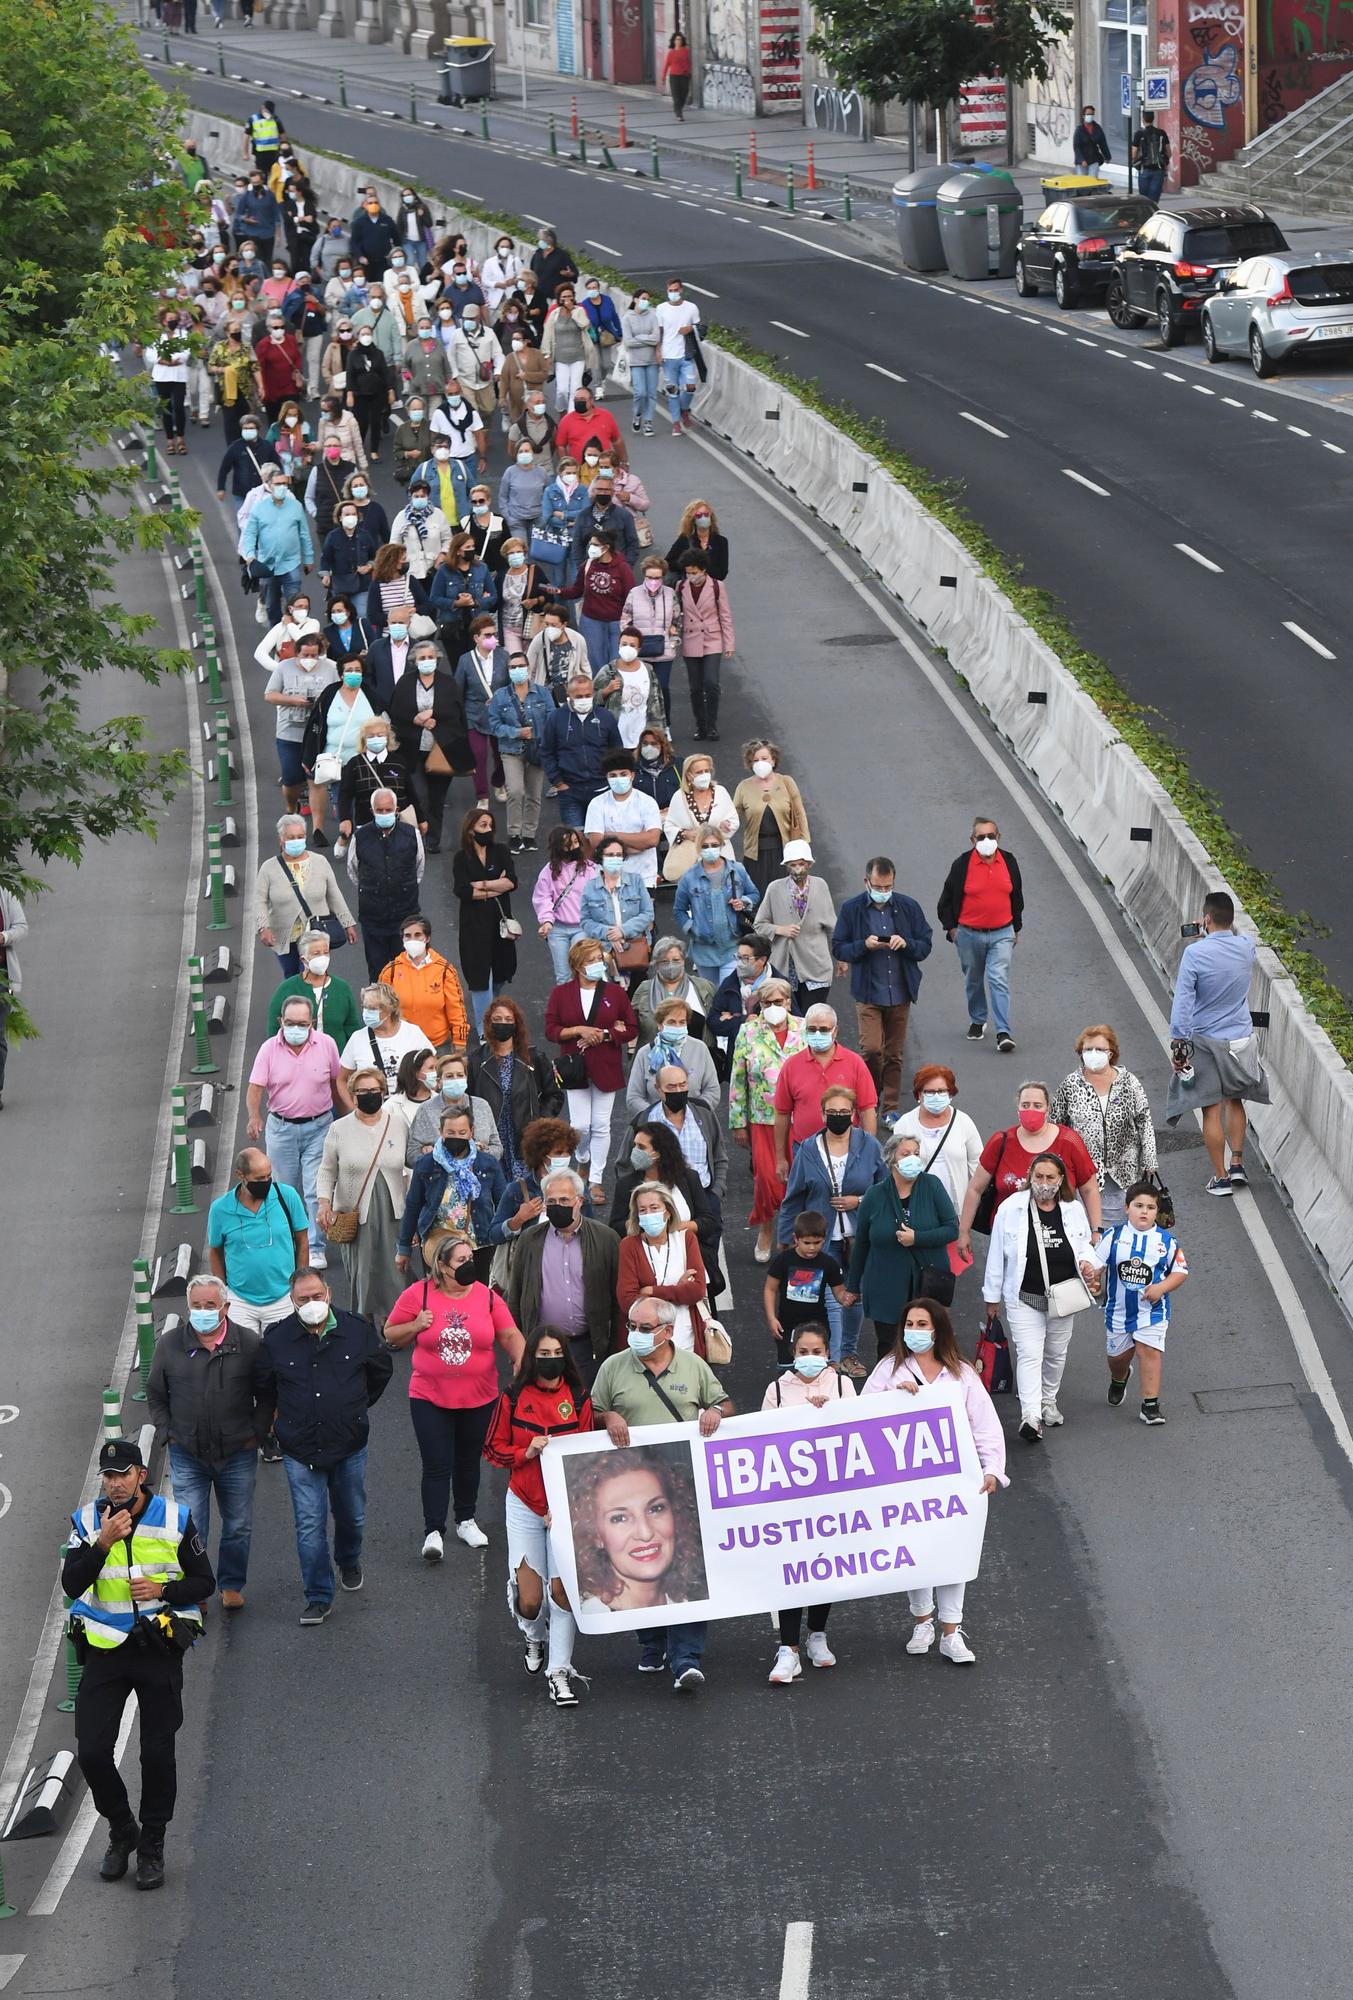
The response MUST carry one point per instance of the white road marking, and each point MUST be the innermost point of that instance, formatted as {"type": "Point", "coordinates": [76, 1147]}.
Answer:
{"type": "Point", "coordinates": [606, 249]}
{"type": "Point", "coordinates": [982, 424]}
{"type": "Point", "coordinates": [658, 196]}
{"type": "Point", "coordinates": [1149, 366]}
{"type": "Point", "coordinates": [1297, 431]}
{"type": "Point", "coordinates": [1060, 331]}
{"type": "Point", "coordinates": [785, 327]}
{"type": "Point", "coordinates": [9, 1965]}
{"type": "Point", "coordinates": [1265, 418]}
{"type": "Point", "coordinates": [1235, 403]}
{"type": "Point", "coordinates": [797, 1966]}
{"type": "Point", "coordinates": [996, 309]}
{"type": "Point", "coordinates": [1172, 378]}
{"type": "Point", "coordinates": [714, 211]}
{"type": "Point", "coordinates": [1081, 480]}
{"type": "Point", "coordinates": [1200, 389]}
{"type": "Point", "coordinates": [683, 203]}
{"type": "Point", "coordinates": [1298, 632]}
{"type": "Point", "coordinates": [538, 219]}
{"type": "Point", "coordinates": [687, 286]}
{"type": "Point", "coordinates": [826, 250]}
{"type": "Point", "coordinates": [879, 369]}
{"type": "Point", "coordinates": [465, 192]}
{"type": "Point", "coordinates": [1203, 562]}
{"type": "Point", "coordinates": [1287, 1300]}
{"type": "Point", "coordinates": [1329, 447]}
{"type": "Point", "coordinates": [1115, 353]}
{"type": "Point", "coordinates": [580, 174]}
{"type": "Point", "coordinates": [1081, 341]}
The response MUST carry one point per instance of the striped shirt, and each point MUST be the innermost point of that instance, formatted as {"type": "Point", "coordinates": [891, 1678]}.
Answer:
{"type": "Point", "coordinates": [1134, 1259]}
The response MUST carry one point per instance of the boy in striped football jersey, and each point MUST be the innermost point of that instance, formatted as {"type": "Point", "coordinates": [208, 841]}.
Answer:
{"type": "Point", "coordinates": [1142, 1265]}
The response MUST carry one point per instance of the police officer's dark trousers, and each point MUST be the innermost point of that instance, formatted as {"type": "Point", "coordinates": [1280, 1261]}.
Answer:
{"type": "Point", "coordinates": [155, 1677]}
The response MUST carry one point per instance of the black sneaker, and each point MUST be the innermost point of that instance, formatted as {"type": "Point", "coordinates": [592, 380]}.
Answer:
{"type": "Point", "coordinates": [976, 1030]}
{"type": "Point", "coordinates": [1031, 1433]}
{"type": "Point", "coordinates": [1151, 1412]}
{"type": "Point", "coordinates": [351, 1578]}
{"type": "Point", "coordinates": [1237, 1175]}
{"type": "Point", "coordinates": [271, 1451]}
{"type": "Point", "coordinates": [116, 1858]}
{"type": "Point", "coordinates": [150, 1861]}
{"type": "Point", "coordinates": [1005, 1045]}
{"type": "Point", "coordinates": [652, 1663]}
{"type": "Point", "coordinates": [1117, 1390]}
{"type": "Point", "coordinates": [319, 838]}
{"type": "Point", "coordinates": [315, 1613]}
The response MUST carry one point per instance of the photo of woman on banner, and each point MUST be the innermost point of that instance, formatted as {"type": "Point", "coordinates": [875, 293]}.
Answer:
{"type": "Point", "coordinates": [636, 1528]}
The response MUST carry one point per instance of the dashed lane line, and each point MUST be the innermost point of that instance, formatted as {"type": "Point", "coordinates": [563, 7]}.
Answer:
{"type": "Point", "coordinates": [1089, 484]}
{"type": "Point", "coordinates": [982, 424]}
{"type": "Point", "coordinates": [1203, 562]}
{"type": "Point", "coordinates": [1300, 632]}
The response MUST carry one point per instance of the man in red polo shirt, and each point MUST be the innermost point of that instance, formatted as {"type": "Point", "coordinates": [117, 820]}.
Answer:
{"type": "Point", "coordinates": [981, 907]}
{"type": "Point", "coordinates": [823, 1065]}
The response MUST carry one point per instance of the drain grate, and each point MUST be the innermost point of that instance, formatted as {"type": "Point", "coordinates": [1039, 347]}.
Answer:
{"type": "Point", "coordinates": [1239, 1402]}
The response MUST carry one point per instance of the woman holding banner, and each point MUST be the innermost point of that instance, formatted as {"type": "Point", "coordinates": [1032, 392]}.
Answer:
{"type": "Point", "coordinates": [925, 1350]}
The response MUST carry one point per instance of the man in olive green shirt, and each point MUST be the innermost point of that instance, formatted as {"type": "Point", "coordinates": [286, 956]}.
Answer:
{"type": "Point", "coordinates": [654, 1382]}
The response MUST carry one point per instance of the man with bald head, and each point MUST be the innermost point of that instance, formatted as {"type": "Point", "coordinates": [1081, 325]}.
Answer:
{"type": "Point", "coordinates": [257, 1239]}
{"type": "Point", "coordinates": [696, 1127]}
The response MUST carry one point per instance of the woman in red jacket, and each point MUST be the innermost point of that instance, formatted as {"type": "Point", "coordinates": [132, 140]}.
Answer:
{"type": "Point", "coordinates": [591, 1019]}
{"type": "Point", "coordinates": [676, 73]}
{"type": "Point", "coordinates": [546, 1399]}
{"type": "Point", "coordinates": [659, 1259]}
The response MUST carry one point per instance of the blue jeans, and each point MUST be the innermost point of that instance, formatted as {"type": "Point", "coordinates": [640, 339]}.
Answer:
{"type": "Point", "coordinates": [341, 1487]}
{"type": "Point", "coordinates": [845, 1323]}
{"type": "Point", "coordinates": [295, 1152]}
{"type": "Point", "coordinates": [985, 958]}
{"type": "Point", "coordinates": [277, 589]}
{"type": "Point", "coordinates": [573, 806]}
{"type": "Point", "coordinates": [481, 1002]}
{"type": "Point", "coordinates": [233, 1485]}
{"type": "Point", "coordinates": [560, 938]}
{"type": "Point", "coordinates": [679, 380]}
{"type": "Point", "coordinates": [684, 1645]}
{"type": "Point", "coordinates": [644, 382]}
{"type": "Point", "coordinates": [602, 636]}
{"type": "Point", "coordinates": [290, 962]}
{"type": "Point", "coordinates": [1150, 181]}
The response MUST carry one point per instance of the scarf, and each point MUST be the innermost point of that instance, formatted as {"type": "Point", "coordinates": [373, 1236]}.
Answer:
{"type": "Point", "coordinates": [460, 1172]}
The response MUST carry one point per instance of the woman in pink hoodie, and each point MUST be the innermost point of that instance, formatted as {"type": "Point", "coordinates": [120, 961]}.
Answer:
{"type": "Point", "coordinates": [925, 1349]}
{"type": "Point", "coordinates": [812, 1377]}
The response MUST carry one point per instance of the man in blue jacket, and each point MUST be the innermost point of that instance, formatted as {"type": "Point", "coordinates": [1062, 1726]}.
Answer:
{"type": "Point", "coordinates": [277, 537]}
{"type": "Point", "coordinates": [256, 217]}
{"type": "Point", "coordinates": [882, 936]}
{"type": "Point", "coordinates": [574, 741]}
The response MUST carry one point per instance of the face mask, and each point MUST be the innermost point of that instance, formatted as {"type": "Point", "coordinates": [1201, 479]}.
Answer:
{"type": "Point", "coordinates": [365, 339]}
{"type": "Point", "coordinates": [650, 752]}
{"type": "Point", "coordinates": [594, 969]}
{"type": "Point", "coordinates": [353, 679]}
{"type": "Point", "coordinates": [445, 312]}
{"type": "Point", "coordinates": [619, 782]}
{"type": "Point", "coordinates": [652, 1225]}
{"type": "Point", "coordinates": [519, 676]}
{"type": "Point", "coordinates": [376, 749]}
{"type": "Point", "coordinates": [711, 855]}
{"type": "Point", "coordinates": [935, 1100]}
{"type": "Point", "coordinates": [313, 1312]}
{"type": "Point", "coordinates": [477, 506]}
{"type": "Point", "coordinates": [425, 332]}
{"type": "Point", "coordinates": [747, 973]}
{"type": "Point", "coordinates": [594, 291]}
{"type": "Point", "coordinates": [674, 298]}
{"type": "Point", "coordinates": [919, 1339]}
{"type": "Point", "coordinates": [461, 1275]}
{"type": "Point", "coordinates": [457, 1148]}
{"type": "Point", "coordinates": [676, 1100]}
{"type": "Point", "coordinates": [460, 281]}
{"type": "Point", "coordinates": [1045, 1195]}
{"type": "Point", "coordinates": [384, 820]}
{"type": "Point", "coordinates": [369, 1100]}
{"type": "Point", "coordinates": [441, 452]}
{"type": "Point", "coordinates": [653, 583]}
{"type": "Point", "coordinates": [248, 435]}
{"type": "Point", "coordinates": [258, 1188]}
{"type": "Point", "coordinates": [642, 1343]}
{"type": "Point", "coordinates": [319, 964]}
{"type": "Point", "coordinates": [643, 304]}
{"type": "Point", "coordinates": [534, 409]}
{"type": "Point", "coordinates": [703, 520]}
{"type": "Point", "coordinates": [415, 413]}
{"type": "Point", "coordinates": [517, 560]}
{"type": "Point", "coordinates": [360, 492]}
{"type": "Point", "coordinates": [295, 1034]}
{"type": "Point", "coordinates": [1033, 1121]}
{"type": "Point", "coordinates": [810, 1366]}
{"type": "Point", "coordinates": [909, 1166]}
{"type": "Point", "coordinates": [471, 322]}
{"type": "Point", "coordinates": [345, 270]}
{"type": "Point", "coordinates": [1095, 1060]}
{"type": "Point", "coordinates": [591, 457]}
{"type": "Point", "coordinates": [819, 1040]}
{"type": "Point", "coordinates": [397, 263]}
{"type": "Point", "coordinates": [517, 347]}
{"type": "Point", "coordinates": [548, 1371]}
{"type": "Point", "coordinates": [762, 767]}
{"type": "Point", "coordinates": [702, 781]}
{"type": "Point", "coordinates": [349, 522]}
{"type": "Point", "coordinates": [595, 551]}
{"type": "Point", "coordinates": [486, 641]}
{"type": "Point", "coordinates": [673, 1032]}
{"type": "Point", "coordinates": [416, 947]}
{"type": "Point", "coordinates": [346, 336]}
{"type": "Point", "coordinates": [775, 1016]}
{"type": "Point", "coordinates": [293, 847]}
{"type": "Point", "coordinates": [839, 1121]}
{"type": "Point", "coordinates": [559, 1214]}
{"type": "Point", "coordinates": [454, 1086]}
{"type": "Point", "coordinates": [629, 652]}
{"type": "Point", "coordinates": [583, 706]}
{"type": "Point", "coordinates": [986, 848]}
{"type": "Point", "coordinates": [399, 633]}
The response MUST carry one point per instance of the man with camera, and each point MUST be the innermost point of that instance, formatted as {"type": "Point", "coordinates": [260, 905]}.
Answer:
{"type": "Point", "coordinates": [137, 1573]}
{"type": "Point", "coordinates": [1212, 1046]}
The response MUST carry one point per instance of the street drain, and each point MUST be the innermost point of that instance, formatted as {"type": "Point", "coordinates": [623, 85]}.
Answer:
{"type": "Point", "coordinates": [1238, 1402]}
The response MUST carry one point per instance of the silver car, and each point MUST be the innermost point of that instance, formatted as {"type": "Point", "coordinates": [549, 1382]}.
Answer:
{"type": "Point", "coordinates": [1273, 306]}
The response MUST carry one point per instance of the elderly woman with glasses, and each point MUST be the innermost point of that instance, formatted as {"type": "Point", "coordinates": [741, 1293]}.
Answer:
{"type": "Point", "coordinates": [295, 889]}
{"type": "Point", "coordinates": [767, 1036]}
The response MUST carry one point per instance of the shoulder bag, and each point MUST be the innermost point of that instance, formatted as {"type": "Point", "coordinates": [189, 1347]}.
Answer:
{"type": "Point", "coordinates": [937, 1280]}
{"type": "Point", "coordinates": [331, 925]}
{"type": "Point", "coordinates": [1068, 1295]}
{"type": "Point", "coordinates": [500, 1270]}
{"type": "Point", "coordinates": [329, 763]}
{"type": "Point", "coordinates": [570, 1065]}
{"type": "Point", "coordinates": [508, 927]}
{"type": "Point", "coordinates": [986, 1207]}
{"type": "Point", "coordinates": [343, 1222]}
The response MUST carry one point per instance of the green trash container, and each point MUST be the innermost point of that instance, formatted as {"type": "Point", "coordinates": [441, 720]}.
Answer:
{"type": "Point", "coordinates": [467, 69]}
{"type": "Point", "coordinates": [981, 214]}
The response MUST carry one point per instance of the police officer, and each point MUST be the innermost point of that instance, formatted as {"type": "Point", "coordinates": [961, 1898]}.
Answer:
{"type": "Point", "coordinates": [264, 134]}
{"type": "Point", "coordinates": [137, 1573]}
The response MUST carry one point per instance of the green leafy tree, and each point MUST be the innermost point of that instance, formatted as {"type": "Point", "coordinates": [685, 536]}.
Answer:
{"type": "Point", "coordinates": [89, 198]}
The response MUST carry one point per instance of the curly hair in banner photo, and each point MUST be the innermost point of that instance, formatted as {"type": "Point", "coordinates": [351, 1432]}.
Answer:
{"type": "Point", "coordinates": [636, 1527]}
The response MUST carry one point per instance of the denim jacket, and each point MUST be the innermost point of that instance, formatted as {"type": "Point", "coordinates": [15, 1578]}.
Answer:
{"type": "Point", "coordinates": [427, 1185]}
{"type": "Point", "coordinates": [505, 718]}
{"type": "Point", "coordinates": [702, 909]}
{"type": "Point", "coordinates": [636, 908]}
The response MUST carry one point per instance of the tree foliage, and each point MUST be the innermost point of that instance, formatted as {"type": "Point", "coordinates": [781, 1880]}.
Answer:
{"type": "Point", "coordinates": [925, 50]}
{"type": "Point", "coordinates": [88, 198]}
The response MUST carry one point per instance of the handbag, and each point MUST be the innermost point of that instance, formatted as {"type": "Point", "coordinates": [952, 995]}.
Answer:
{"type": "Point", "coordinates": [549, 545]}
{"type": "Point", "coordinates": [993, 1359]}
{"type": "Point", "coordinates": [343, 1222]}
{"type": "Point", "coordinates": [680, 858]}
{"type": "Point", "coordinates": [436, 763]}
{"type": "Point", "coordinates": [570, 1067]}
{"type": "Point", "coordinates": [652, 646]}
{"type": "Point", "coordinates": [1068, 1295]}
{"type": "Point", "coordinates": [632, 957]}
{"type": "Point", "coordinates": [329, 763]}
{"type": "Point", "coordinates": [986, 1206]}
{"type": "Point", "coordinates": [1164, 1201]}
{"type": "Point", "coordinates": [331, 925]}
{"type": "Point", "coordinates": [508, 927]}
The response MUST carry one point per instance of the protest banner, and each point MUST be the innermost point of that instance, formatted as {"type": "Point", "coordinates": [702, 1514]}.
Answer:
{"type": "Point", "coordinates": [792, 1506]}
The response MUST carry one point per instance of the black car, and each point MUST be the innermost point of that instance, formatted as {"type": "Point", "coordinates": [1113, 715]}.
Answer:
{"type": "Point", "coordinates": [1072, 245]}
{"type": "Point", "coordinates": [1177, 259]}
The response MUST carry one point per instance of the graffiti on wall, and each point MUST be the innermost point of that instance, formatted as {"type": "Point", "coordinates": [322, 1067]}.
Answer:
{"type": "Point", "coordinates": [1052, 104]}
{"type": "Point", "coordinates": [781, 55]}
{"type": "Point", "coordinates": [831, 109]}
{"type": "Point", "coordinates": [726, 84]}
{"type": "Point", "coordinates": [728, 87]}
{"type": "Point", "coordinates": [1212, 92]}
{"type": "Point", "coordinates": [1304, 46]}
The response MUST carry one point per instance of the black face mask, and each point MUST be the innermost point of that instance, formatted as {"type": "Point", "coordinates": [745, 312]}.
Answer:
{"type": "Point", "coordinates": [840, 1121]}
{"type": "Point", "coordinates": [581, 408]}
{"type": "Point", "coordinates": [549, 1372]}
{"type": "Point", "coordinates": [461, 1274]}
{"type": "Point", "coordinates": [676, 1100]}
{"type": "Point", "coordinates": [502, 1031]}
{"type": "Point", "coordinates": [369, 1100]}
{"type": "Point", "coordinates": [458, 1148]}
{"type": "Point", "coordinates": [559, 1214]}
{"type": "Point", "coordinates": [258, 1189]}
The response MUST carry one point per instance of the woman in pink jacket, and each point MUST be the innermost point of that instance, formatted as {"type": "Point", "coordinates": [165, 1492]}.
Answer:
{"type": "Point", "coordinates": [706, 639]}
{"type": "Point", "coordinates": [926, 1349]}
{"type": "Point", "coordinates": [812, 1377]}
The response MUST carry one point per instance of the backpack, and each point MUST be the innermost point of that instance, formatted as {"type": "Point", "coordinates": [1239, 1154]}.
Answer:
{"type": "Point", "coordinates": [993, 1359]}
{"type": "Point", "coordinates": [1154, 146]}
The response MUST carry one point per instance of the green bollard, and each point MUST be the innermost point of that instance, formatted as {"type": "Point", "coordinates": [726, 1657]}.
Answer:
{"type": "Point", "coordinates": [220, 60]}
{"type": "Point", "coordinates": [606, 159]}
{"type": "Point", "coordinates": [413, 104]}
{"type": "Point", "coordinates": [66, 1706]}
{"type": "Point", "coordinates": [145, 1318]}
{"type": "Point", "coordinates": [654, 163]}
{"type": "Point", "coordinates": [343, 90]}
{"type": "Point", "coordinates": [7, 1908]}
{"type": "Point", "coordinates": [199, 577]}
{"type": "Point", "coordinates": [112, 1414]}
{"type": "Point", "coordinates": [483, 119]}
{"type": "Point", "coordinates": [554, 139]}
{"type": "Point", "coordinates": [737, 177]}
{"type": "Point", "coordinates": [213, 662]}
{"type": "Point", "coordinates": [184, 1205]}
{"type": "Point", "coordinates": [197, 1006]}
{"type": "Point", "coordinates": [168, 58]}
{"type": "Point", "coordinates": [582, 149]}
{"type": "Point", "coordinates": [223, 794]}
{"type": "Point", "coordinates": [789, 191]}
{"type": "Point", "coordinates": [216, 888]}
{"type": "Point", "coordinates": [152, 463]}
{"type": "Point", "coordinates": [845, 198]}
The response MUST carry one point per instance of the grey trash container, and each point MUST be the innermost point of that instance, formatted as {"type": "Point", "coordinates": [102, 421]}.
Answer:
{"type": "Point", "coordinates": [918, 223]}
{"type": "Point", "coordinates": [467, 69]}
{"type": "Point", "coordinates": [981, 213]}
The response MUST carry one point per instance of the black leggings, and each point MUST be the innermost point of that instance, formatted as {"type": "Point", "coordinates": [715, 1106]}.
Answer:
{"type": "Point", "coordinates": [173, 407]}
{"type": "Point", "coordinates": [791, 1622]}
{"type": "Point", "coordinates": [450, 1443]}
{"type": "Point", "coordinates": [370, 414]}
{"type": "Point", "coordinates": [886, 1331]}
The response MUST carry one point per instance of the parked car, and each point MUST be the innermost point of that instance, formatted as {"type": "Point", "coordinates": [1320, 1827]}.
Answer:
{"type": "Point", "coordinates": [1272, 307]}
{"type": "Point", "coordinates": [1072, 246]}
{"type": "Point", "coordinates": [1178, 258]}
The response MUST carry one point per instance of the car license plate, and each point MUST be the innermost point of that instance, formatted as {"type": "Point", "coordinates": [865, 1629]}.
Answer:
{"type": "Point", "coordinates": [1342, 330]}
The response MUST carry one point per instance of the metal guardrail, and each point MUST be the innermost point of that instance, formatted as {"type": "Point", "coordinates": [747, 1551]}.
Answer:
{"type": "Point", "coordinates": [1298, 120]}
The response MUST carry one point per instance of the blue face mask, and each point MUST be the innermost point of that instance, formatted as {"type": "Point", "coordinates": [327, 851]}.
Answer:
{"type": "Point", "coordinates": [293, 847]}
{"type": "Point", "coordinates": [454, 1086]}
{"type": "Point", "coordinates": [919, 1339]}
{"type": "Point", "coordinates": [295, 1034]}
{"type": "Point", "coordinates": [652, 1225]}
{"type": "Point", "coordinates": [672, 1032]}
{"type": "Point", "coordinates": [819, 1040]}
{"type": "Point", "coordinates": [353, 680]}
{"type": "Point", "coordinates": [909, 1166]}
{"type": "Point", "coordinates": [518, 675]}
{"type": "Point", "coordinates": [371, 1017]}
{"type": "Point", "coordinates": [384, 819]}
{"type": "Point", "coordinates": [619, 782]}
{"type": "Point", "coordinates": [935, 1101]}
{"type": "Point", "coordinates": [642, 1343]}
{"type": "Point", "coordinates": [612, 863]}
{"type": "Point", "coordinates": [880, 896]}
{"type": "Point", "coordinates": [594, 969]}
{"type": "Point", "coordinates": [810, 1366]}
{"type": "Point", "coordinates": [204, 1319]}
{"type": "Point", "coordinates": [399, 633]}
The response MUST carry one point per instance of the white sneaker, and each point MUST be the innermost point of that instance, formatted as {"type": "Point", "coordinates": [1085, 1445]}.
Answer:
{"type": "Point", "coordinates": [535, 1655]}
{"type": "Point", "coordinates": [559, 1687]}
{"type": "Point", "coordinates": [471, 1534]}
{"type": "Point", "coordinates": [1052, 1416]}
{"type": "Point", "coordinates": [432, 1546]}
{"type": "Point", "coordinates": [787, 1667]}
{"type": "Point", "coordinates": [319, 1260]}
{"type": "Point", "coordinates": [260, 613]}
{"type": "Point", "coordinates": [955, 1647]}
{"type": "Point", "coordinates": [923, 1638]}
{"type": "Point", "coordinates": [820, 1653]}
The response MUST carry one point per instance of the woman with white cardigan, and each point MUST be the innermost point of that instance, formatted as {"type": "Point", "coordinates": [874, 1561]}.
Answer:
{"type": "Point", "coordinates": [362, 1168]}
{"type": "Point", "coordinates": [1038, 1267]}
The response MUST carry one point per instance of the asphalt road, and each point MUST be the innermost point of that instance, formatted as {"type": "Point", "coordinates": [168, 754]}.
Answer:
{"type": "Point", "coordinates": [1112, 1804]}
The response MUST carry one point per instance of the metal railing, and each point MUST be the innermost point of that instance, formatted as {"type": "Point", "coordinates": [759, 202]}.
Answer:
{"type": "Point", "coordinates": [1296, 121]}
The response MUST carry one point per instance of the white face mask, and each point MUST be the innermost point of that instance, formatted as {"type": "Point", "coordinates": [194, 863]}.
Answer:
{"type": "Point", "coordinates": [986, 847]}
{"type": "Point", "coordinates": [319, 964]}
{"type": "Point", "coordinates": [775, 1016]}
{"type": "Point", "coordinates": [1095, 1060]}
{"type": "Point", "coordinates": [763, 767]}
{"type": "Point", "coordinates": [313, 1312]}
{"type": "Point", "coordinates": [416, 947]}
{"type": "Point", "coordinates": [628, 652]}
{"type": "Point", "coordinates": [701, 781]}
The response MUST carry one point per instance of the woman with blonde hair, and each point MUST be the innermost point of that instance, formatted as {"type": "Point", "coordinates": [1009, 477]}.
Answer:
{"type": "Point", "coordinates": [383, 1040]}
{"type": "Point", "coordinates": [373, 767]}
{"type": "Point", "coordinates": [698, 529]}
{"type": "Point", "coordinates": [771, 810]}
{"type": "Point", "coordinates": [452, 1086]}
{"type": "Point", "coordinates": [660, 1259]}
{"type": "Point", "coordinates": [700, 803]}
